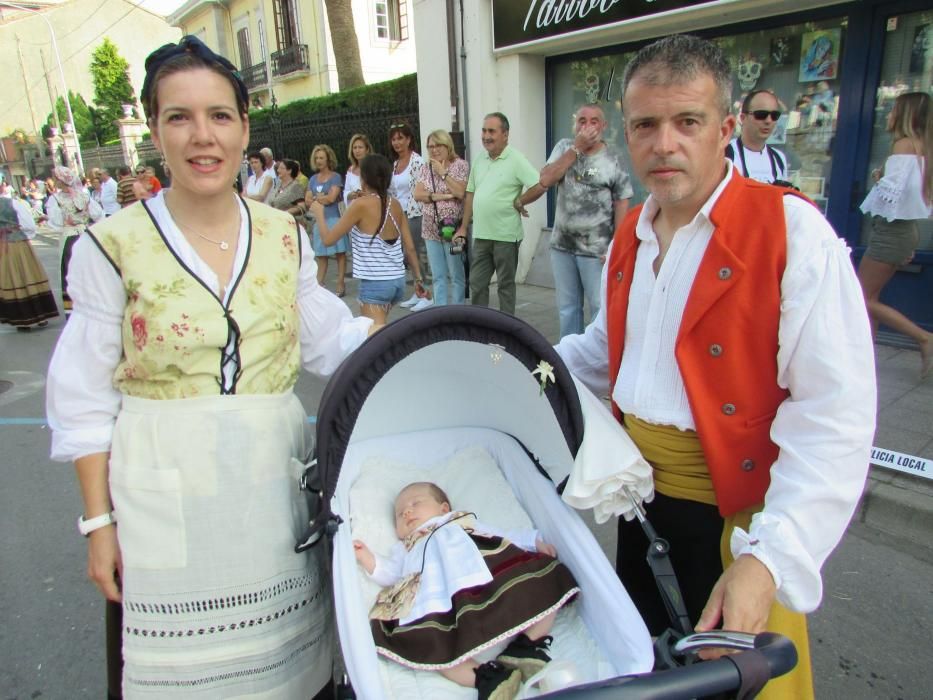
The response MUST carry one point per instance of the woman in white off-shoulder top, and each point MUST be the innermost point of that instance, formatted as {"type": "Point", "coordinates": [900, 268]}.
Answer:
{"type": "Point", "coordinates": [901, 196]}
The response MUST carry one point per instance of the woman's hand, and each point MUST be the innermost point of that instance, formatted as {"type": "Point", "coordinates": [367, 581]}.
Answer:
{"type": "Point", "coordinates": [354, 195]}
{"type": "Point", "coordinates": [364, 557]}
{"type": "Point", "coordinates": [316, 209]}
{"type": "Point", "coordinates": [421, 291]}
{"type": "Point", "coordinates": [104, 563]}
{"type": "Point", "coordinates": [545, 548]}
{"type": "Point", "coordinates": [438, 168]}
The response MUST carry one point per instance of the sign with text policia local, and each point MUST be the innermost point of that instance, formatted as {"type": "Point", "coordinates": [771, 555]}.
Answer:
{"type": "Point", "coordinates": [522, 21]}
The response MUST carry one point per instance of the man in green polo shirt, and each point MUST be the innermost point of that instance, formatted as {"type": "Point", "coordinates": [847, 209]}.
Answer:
{"type": "Point", "coordinates": [497, 178]}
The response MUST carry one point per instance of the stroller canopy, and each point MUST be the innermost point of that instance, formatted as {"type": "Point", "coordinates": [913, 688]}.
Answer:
{"type": "Point", "coordinates": [452, 366]}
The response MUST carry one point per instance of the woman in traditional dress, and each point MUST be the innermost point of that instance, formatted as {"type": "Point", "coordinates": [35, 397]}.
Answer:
{"type": "Point", "coordinates": [324, 187]}
{"type": "Point", "coordinates": [25, 297]}
{"type": "Point", "coordinates": [172, 390]}
{"type": "Point", "coordinates": [70, 209]}
{"type": "Point", "coordinates": [902, 195]}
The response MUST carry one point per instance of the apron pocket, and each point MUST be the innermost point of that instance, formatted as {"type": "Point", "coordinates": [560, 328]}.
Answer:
{"type": "Point", "coordinates": [150, 522]}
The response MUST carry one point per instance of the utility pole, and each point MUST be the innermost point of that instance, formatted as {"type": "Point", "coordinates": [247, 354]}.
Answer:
{"type": "Point", "coordinates": [32, 112]}
{"type": "Point", "coordinates": [48, 84]}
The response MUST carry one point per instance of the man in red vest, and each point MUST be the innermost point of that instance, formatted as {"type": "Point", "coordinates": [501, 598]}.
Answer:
{"type": "Point", "coordinates": [734, 343]}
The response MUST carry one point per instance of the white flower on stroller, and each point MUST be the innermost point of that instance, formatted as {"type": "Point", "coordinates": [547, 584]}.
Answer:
{"type": "Point", "coordinates": [545, 372]}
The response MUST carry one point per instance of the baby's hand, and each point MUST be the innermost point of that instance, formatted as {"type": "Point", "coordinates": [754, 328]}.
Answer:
{"type": "Point", "coordinates": [545, 548]}
{"type": "Point", "coordinates": [364, 556]}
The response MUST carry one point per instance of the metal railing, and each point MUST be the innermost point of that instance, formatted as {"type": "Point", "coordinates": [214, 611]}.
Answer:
{"type": "Point", "coordinates": [294, 137]}
{"type": "Point", "coordinates": [255, 76]}
{"type": "Point", "coordinates": [290, 59]}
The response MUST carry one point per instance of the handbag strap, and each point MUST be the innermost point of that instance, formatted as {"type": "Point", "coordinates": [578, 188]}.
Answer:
{"type": "Point", "coordinates": [437, 219]}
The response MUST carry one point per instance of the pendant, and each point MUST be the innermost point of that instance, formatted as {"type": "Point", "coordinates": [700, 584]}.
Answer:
{"type": "Point", "coordinates": [224, 245]}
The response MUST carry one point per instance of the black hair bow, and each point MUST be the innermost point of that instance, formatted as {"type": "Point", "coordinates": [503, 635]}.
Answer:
{"type": "Point", "coordinates": [188, 45]}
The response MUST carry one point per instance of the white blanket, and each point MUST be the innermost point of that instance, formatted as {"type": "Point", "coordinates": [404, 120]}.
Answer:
{"type": "Point", "coordinates": [487, 472]}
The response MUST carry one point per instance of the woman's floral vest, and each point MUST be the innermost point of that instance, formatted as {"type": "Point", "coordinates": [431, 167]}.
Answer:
{"type": "Point", "coordinates": [176, 331]}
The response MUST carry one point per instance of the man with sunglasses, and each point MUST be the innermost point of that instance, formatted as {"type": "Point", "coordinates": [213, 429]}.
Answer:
{"type": "Point", "coordinates": [752, 156]}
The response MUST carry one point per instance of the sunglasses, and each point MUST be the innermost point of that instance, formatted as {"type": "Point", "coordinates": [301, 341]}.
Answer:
{"type": "Point", "coordinates": [762, 114]}
{"type": "Point", "coordinates": [402, 125]}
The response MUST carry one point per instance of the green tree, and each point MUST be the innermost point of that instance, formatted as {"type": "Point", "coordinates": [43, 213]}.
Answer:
{"type": "Point", "coordinates": [84, 124]}
{"type": "Point", "coordinates": [112, 87]}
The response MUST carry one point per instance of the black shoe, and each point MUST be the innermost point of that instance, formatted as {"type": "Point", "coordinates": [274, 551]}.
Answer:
{"type": "Point", "coordinates": [496, 682]}
{"type": "Point", "coordinates": [526, 655]}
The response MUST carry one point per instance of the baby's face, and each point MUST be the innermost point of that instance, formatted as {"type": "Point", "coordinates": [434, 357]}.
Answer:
{"type": "Point", "coordinates": [414, 506]}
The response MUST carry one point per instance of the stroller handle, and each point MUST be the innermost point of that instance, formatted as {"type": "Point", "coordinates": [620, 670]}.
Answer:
{"type": "Point", "coordinates": [775, 653]}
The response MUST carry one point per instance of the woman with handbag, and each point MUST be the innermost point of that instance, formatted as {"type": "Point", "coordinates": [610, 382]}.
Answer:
{"type": "Point", "coordinates": [441, 187]}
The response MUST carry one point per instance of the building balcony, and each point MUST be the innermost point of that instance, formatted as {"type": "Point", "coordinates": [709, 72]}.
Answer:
{"type": "Point", "coordinates": [291, 59]}
{"type": "Point", "coordinates": [255, 76]}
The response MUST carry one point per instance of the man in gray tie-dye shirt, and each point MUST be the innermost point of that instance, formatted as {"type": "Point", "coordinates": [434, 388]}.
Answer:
{"type": "Point", "coordinates": [592, 197]}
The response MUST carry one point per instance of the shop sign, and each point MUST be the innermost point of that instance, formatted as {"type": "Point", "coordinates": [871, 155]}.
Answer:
{"type": "Point", "coordinates": [522, 21]}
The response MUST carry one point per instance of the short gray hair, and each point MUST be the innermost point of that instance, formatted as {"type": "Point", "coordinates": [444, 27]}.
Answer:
{"type": "Point", "coordinates": [680, 58]}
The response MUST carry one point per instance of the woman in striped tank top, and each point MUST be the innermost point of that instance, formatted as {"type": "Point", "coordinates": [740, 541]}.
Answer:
{"type": "Point", "coordinates": [380, 239]}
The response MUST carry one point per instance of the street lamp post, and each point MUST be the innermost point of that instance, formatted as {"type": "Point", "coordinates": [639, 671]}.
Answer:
{"type": "Point", "coordinates": [61, 74]}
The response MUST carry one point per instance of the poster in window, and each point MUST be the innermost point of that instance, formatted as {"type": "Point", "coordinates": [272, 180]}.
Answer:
{"type": "Point", "coordinates": [819, 55]}
{"type": "Point", "coordinates": [923, 44]}
{"type": "Point", "coordinates": [780, 51]}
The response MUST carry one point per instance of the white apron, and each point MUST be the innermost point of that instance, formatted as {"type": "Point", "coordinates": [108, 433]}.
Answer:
{"type": "Point", "coordinates": [216, 604]}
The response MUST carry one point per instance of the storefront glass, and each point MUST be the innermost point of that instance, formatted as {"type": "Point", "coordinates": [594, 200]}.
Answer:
{"type": "Point", "coordinates": [800, 63]}
{"type": "Point", "coordinates": [906, 66]}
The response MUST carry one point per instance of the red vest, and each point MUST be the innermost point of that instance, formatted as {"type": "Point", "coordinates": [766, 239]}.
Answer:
{"type": "Point", "coordinates": [727, 345]}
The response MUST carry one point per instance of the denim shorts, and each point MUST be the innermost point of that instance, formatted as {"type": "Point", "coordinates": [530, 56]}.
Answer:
{"type": "Point", "coordinates": [382, 292]}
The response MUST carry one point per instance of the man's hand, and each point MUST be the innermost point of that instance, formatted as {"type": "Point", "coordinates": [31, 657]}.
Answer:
{"type": "Point", "coordinates": [742, 599]}
{"type": "Point", "coordinates": [586, 138]}
{"type": "Point", "coordinates": [519, 207]}
{"type": "Point", "coordinates": [104, 563]}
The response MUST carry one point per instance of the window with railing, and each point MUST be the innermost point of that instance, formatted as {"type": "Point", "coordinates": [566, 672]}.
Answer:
{"type": "Point", "coordinates": [286, 23]}
{"type": "Point", "coordinates": [242, 44]}
{"type": "Point", "coordinates": [391, 20]}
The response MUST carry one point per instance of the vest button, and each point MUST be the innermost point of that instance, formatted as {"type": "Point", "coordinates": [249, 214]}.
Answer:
{"type": "Point", "coordinates": [748, 465]}
{"type": "Point", "coordinates": [618, 277]}
{"type": "Point", "coordinates": [728, 408]}
{"type": "Point", "coordinates": [715, 350]}
{"type": "Point", "coordinates": [725, 273]}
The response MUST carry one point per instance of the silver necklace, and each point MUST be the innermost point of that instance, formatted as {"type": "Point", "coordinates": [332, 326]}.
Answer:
{"type": "Point", "coordinates": [223, 245]}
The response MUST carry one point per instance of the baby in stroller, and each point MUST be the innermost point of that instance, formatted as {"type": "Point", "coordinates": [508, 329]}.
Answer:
{"type": "Point", "coordinates": [475, 587]}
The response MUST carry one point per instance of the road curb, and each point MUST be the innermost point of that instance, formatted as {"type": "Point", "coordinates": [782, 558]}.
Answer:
{"type": "Point", "coordinates": [900, 505]}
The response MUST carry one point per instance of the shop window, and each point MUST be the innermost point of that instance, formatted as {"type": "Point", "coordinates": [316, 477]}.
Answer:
{"type": "Point", "coordinates": [906, 66]}
{"type": "Point", "coordinates": [800, 64]}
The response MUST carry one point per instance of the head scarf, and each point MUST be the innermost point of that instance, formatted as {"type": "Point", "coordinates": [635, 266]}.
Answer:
{"type": "Point", "coordinates": [188, 45]}
{"type": "Point", "coordinates": [72, 183]}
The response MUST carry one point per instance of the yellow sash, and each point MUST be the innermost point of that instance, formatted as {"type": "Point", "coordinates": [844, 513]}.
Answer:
{"type": "Point", "coordinates": [680, 472]}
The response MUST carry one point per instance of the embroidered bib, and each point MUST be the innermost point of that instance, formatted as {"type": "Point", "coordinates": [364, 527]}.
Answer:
{"type": "Point", "coordinates": [176, 331]}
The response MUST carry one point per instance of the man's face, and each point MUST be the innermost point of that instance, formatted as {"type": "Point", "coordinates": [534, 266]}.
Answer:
{"type": "Point", "coordinates": [677, 137]}
{"type": "Point", "coordinates": [495, 138]}
{"type": "Point", "coordinates": [590, 118]}
{"type": "Point", "coordinates": [756, 131]}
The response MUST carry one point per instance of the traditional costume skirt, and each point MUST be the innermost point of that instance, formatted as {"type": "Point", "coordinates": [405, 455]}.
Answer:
{"type": "Point", "coordinates": [216, 603]}
{"type": "Point", "coordinates": [25, 296]}
{"type": "Point", "coordinates": [685, 513]}
{"type": "Point", "coordinates": [526, 587]}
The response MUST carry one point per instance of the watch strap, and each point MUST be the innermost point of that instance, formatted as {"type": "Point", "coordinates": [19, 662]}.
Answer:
{"type": "Point", "coordinates": [86, 527]}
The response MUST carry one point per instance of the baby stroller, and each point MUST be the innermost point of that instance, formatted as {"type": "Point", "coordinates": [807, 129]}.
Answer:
{"type": "Point", "coordinates": [478, 401]}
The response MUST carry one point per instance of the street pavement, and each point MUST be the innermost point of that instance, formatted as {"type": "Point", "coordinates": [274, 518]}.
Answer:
{"type": "Point", "coordinates": [871, 636]}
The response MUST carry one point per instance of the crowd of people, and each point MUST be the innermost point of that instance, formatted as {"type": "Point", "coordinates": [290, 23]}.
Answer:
{"type": "Point", "coordinates": [727, 326]}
